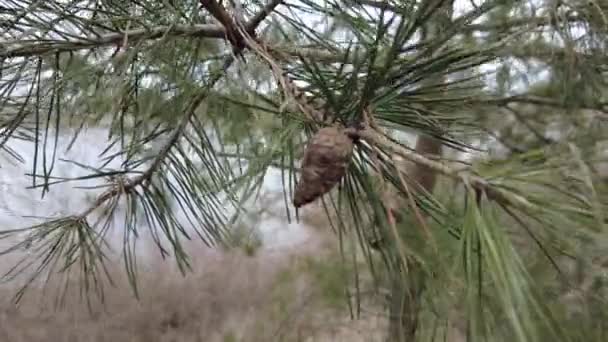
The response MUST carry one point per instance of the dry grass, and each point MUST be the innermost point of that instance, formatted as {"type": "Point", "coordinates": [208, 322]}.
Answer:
{"type": "Point", "coordinates": [228, 297]}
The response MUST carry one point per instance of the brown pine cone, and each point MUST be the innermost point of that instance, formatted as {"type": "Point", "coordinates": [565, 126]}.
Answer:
{"type": "Point", "coordinates": [326, 160]}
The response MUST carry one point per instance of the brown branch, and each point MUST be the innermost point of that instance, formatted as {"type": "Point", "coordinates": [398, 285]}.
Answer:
{"type": "Point", "coordinates": [506, 198]}
{"type": "Point", "coordinates": [128, 185]}
{"type": "Point", "coordinates": [16, 49]}
{"type": "Point", "coordinates": [258, 18]}
{"type": "Point", "coordinates": [218, 11]}
{"type": "Point", "coordinates": [231, 27]}
{"type": "Point", "coordinates": [135, 35]}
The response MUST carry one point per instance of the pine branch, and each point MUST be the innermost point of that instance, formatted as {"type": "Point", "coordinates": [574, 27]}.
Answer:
{"type": "Point", "coordinates": [19, 49]}
{"type": "Point", "coordinates": [374, 137]}
{"type": "Point", "coordinates": [141, 188]}
{"type": "Point", "coordinates": [130, 184]}
{"type": "Point", "coordinates": [532, 21]}
{"type": "Point", "coordinates": [219, 12]}
{"type": "Point", "coordinates": [493, 192]}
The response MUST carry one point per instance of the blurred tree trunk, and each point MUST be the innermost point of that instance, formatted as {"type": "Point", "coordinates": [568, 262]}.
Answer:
{"type": "Point", "coordinates": [407, 281]}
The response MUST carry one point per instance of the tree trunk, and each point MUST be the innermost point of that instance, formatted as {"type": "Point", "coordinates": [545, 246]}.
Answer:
{"type": "Point", "coordinates": [405, 303]}
{"type": "Point", "coordinates": [407, 282]}
{"type": "Point", "coordinates": [407, 285]}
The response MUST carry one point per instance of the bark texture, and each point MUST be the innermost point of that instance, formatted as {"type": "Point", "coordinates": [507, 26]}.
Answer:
{"type": "Point", "coordinates": [407, 289]}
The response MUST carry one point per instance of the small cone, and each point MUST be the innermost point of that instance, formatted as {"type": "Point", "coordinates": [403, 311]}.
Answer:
{"type": "Point", "coordinates": [326, 159]}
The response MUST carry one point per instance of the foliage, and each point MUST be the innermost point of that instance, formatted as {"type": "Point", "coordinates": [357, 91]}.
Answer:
{"type": "Point", "coordinates": [195, 138]}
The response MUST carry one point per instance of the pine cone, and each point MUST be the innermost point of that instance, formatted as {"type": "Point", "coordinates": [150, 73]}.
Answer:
{"type": "Point", "coordinates": [326, 159]}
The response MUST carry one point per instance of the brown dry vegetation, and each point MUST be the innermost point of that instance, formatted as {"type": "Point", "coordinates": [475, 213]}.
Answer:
{"type": "Point", "coordinates": [276, 295]}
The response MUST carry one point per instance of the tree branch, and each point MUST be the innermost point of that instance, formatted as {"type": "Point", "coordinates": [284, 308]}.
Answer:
{"type": "Point", "coordinates": [135, 35]}
{"type": "Point", "coordinates": [218, 11]}
{"type": "Point", "coordinates": [218, 32]}
{"type": "Point", "coordinates": [149, 33]}
{"type": "Point", "coordinates": [464, 176]}
{"type": "Point", "coordinates": [130, 184]}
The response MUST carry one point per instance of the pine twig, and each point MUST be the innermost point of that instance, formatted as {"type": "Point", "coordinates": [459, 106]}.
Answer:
{"type": "Point", "coordinates": [20, 49]}
{"type": "Point", "coordinates": [507, 198]}
{"type": "Point", "coordinates": [128, 185]}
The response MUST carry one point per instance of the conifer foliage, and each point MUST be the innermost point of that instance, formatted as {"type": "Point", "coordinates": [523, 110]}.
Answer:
{"type": "Point", "coordinates": [202, 98]}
